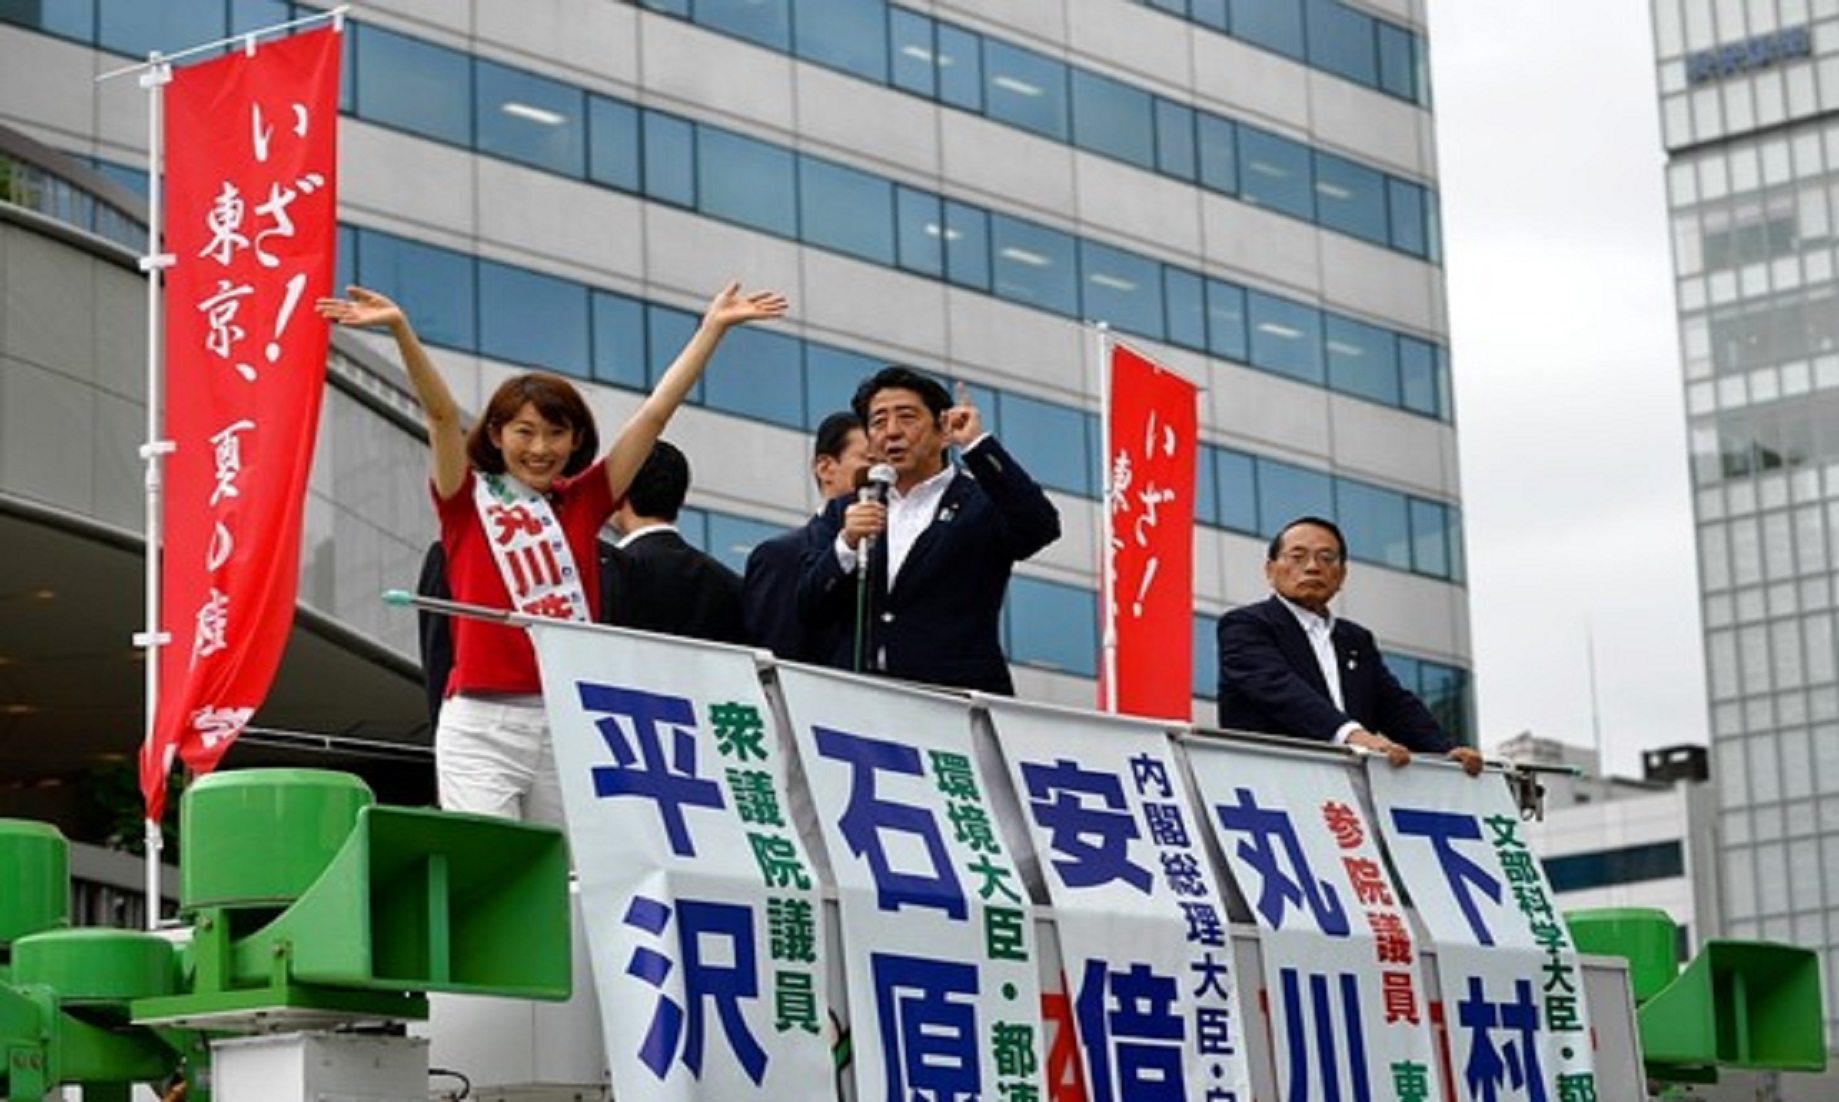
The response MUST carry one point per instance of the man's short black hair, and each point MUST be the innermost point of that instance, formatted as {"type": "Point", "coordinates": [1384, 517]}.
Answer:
{"type": "Point", "coordinates": [895, 377]}
{"type": "Point", "coordinates": [661, 484]}
{"type": "Point", "coordinates": [833, 434]}
{"type": "Point", "coordinates": [1270, 553]}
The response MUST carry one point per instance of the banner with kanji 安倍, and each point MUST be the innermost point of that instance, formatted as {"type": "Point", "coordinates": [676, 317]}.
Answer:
{"type": "Point", "coordinates": [250, 213]}
{"type": "Point", "coordinates": [704, 912]}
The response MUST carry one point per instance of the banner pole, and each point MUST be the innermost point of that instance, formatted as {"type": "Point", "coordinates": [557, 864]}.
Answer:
{"type": "Point", "coordinates": [1107, 563]}
{"type": "Point", "coordinates": [153, 79]}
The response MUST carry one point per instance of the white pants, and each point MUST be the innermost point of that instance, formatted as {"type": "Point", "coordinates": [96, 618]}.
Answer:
{"type": "Point", "coordinates": [492, 757]}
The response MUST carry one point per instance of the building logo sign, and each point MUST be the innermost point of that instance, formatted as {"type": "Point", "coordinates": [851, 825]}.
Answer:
{"type": "Point", "coordinates": [1750, 55]}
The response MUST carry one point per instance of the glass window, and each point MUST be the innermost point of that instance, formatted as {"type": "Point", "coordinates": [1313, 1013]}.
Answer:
{"type": "Point", "coordinates": [1445, 691]}
{"type": "Point", "coordinates": [613, 143]}
{"type": "Point", "coordinates": [1362, 360]}
{"type": "Point", "coordinates": [1209, 13]}
{"type": "Point", "coordinates": [851, 35]}
{"type": "Point", "coordinates": [1458, 567]}
{"type": "Point", "coordinates": [732, 539]}
{"type": "Point", "coordinates": [831, 377]}
{"type": "Point", "coordinates": [757, 374]}
{"type": "Point", "coordinates": [1275, 172]}
{"type": "Point", "coordinates": [435, 286]}
{"type": "Point", "coordinates": [1226, 321]}
{"type": "Point", "coordinates": [1175, 153]}
{"type": "Point", "coordinates": [619, 340]}
{"type": "Point", "coordinates": [1398, 61]}
{"type": "Point", "coordinates": [747, 181]}
{"type": "Point", "coordinates": [960, 64]}
{"type": "Point", "coordinates": [344, 259]}
{"type": "Point", "coordinates": [1206, 673]}
{"type": "Point", "coordinates": [1206, 486]}
{"type": "Point", "coordinates": [1112, 118]}
{"type": "Point", "coordinates": [1286, 492]}
{"type": "Point", "coordinates": [412, 85]}
{"type": "Point", "coordinates": [137, 28]}
{"type": "Point", "coordinates": [1054, 626]}
{"type": "Point", "coordinates": [530, 119]}
{"type": "Point", "coordinates": [1052, 437]}
{"type": "Point", "coordinates": [1186, 309]}
{"type": "Point", "coordinates": [1236, 475]}
{"type": "Point", "coordinates": [768, 22]}
{"type": "Point", "coordinates": [1275, 26]}
{"type": "Point", "coordinates": [667, 331]}
{"type": "Point", "coordinates": [920, 227]}
{"type": "Point", "coordinates": [1341, 41]}
{"type": "Point", "coordinates": [1034, 264]}
{"type": "Point", "coordinates": [1376, 524]}
{"type": "Point", "coordinates": [530, 318]}
{"type": "Point", "coordinates": [915, 67]}
{"type": "Point", "coordinates": [1219, 155]}
{"type": "Point", "coordinates": [65, 18]}
{"type": "Point", "coordinates": [1025, 89]}
{"type": "Point", "coordinates": [1417, 368]}
{"type": "Point", "coordinates": [846, 210]}
{"type": "Point", "coordinates": [1429, 538]}
{"type": "Point", "coordinates": [254, 15]}
{"type": "Point", "coordinates": [1286, 337]}
{"type": "Point", "coordinates": [1350, 198]}
{"type": "Point", "coordinates": [670, 159]}
{"type": "Point", "coordinates": [1405, 212]}
{"type": "Point", "coordinates": [1122, 288]}
{"type": "Point", "coordinates": [967, 246]}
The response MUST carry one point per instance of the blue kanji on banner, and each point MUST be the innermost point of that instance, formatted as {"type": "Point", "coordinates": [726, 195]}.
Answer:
{"type": "Point", "coordinates": [1132, 1033]}
{"type": "Point", "coordinates": [1514, 1062]}
{"type": "Point", "coordinates": [1336, 1036]}
{"type": "Point", "coordinates": [1443, 829]}
{"type": "Point", "coordinates": [720, 969]}
{"type": "Point", "coordinates": [1088, 823]}
{"type": "Point", "coordinates": [1269, 844]}
{"type": "Point", "coordinates": [868, 816]}
{"type": "Point", "coordinates": [647, 770]}
{"type": "Point", "coordinates": [928, 1018]}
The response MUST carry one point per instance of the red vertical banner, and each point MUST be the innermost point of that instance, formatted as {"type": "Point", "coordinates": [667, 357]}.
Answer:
{"type": "Point", "coordinates": [250, 217]}
{"type": "Point", "coordinates": [1150, 537]}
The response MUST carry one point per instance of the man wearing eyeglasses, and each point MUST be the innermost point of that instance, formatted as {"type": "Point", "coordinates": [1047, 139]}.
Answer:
{"type": "Point", "coordinates": [1290, 666]}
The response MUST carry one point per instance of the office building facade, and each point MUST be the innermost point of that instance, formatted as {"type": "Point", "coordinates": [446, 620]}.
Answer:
{"type": "Point", "coordinates": [1749, 99]}
{"type": "Point", "coordinates": [1244, 190]}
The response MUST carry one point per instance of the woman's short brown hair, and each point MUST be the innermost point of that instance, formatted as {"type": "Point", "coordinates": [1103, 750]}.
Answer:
{"type": "Point", "coordinates": [555, 398]}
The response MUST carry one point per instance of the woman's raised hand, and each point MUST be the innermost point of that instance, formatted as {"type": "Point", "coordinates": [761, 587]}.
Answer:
{"type": "Point", "coordinates": [731, 307]}
{"type": "Point", "coordinates": [360, 309]}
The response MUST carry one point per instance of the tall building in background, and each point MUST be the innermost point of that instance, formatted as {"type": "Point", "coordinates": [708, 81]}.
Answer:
{"type": "Point", "coordinates": [1750, 111]}
{"type": "Point", "coordinates": [1245, 189]}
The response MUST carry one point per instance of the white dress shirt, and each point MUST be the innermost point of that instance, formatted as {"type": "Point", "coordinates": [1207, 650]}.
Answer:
{"type": "Point", "coordinates": [1320, 631]}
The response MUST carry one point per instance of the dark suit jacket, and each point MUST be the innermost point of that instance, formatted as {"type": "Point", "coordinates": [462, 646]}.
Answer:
{"type": "Point", "coordinates": [769, 598]}
{"type": "Point", "coordinates": [436, 631]}
{"type": "Point", "coordinates": [660, 583]}
{"type": "Point", "coordinates": [939, 624]}
{"type": "Point", "coordinates": [1270, 682]}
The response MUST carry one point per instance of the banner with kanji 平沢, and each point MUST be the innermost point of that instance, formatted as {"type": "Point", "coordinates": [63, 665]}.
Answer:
{"type": "Point", "coordinates": [1513, 992]}
{"type": "Point", "coordinates": [1348, 1005]}
{"type": "Point", "coordinates": [1141, 923]}
{"type": "Point", "coordinates": [704, 912]}
{"type": "Point", "coordinates": [250, 214]}
{"type": "Point", "coordinates": [938, 939]}
{"type": "Point", "coordinates": [1152, 427]}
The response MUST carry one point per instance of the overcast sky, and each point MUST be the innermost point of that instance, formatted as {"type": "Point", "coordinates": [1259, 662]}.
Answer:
{"type": "Point", "coordinates": [1568, 397]}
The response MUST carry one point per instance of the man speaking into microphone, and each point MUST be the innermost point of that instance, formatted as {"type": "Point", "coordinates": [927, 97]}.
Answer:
{"type": "Point", "coordinates": [936, 552]}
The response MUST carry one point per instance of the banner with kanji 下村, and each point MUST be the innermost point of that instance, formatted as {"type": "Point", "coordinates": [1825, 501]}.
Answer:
{"type": "Point", "coordinates": [1141, 923]}
{"type": "Point", "coordinates": [1346, 995]}
{"type": "Point", "coordinates": [1512, 988]}
{"type": "Point", "coordinates": [704, 912]}
{"type": "Point", "coordinates": [938, 941]}
{"type": "Point", "coordinates": [250, 215]}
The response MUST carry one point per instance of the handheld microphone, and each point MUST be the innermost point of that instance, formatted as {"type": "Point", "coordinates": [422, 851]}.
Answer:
{"type": "Point", "coordinates": [876, 482]}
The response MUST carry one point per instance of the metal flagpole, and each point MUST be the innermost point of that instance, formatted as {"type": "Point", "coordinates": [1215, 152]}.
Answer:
{"type": "Point", "coordinates": [154, 74]}
{"type": "Point", "coordinates": [1107, 563]}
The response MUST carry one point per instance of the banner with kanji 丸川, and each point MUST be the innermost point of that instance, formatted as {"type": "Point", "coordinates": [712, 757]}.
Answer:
{"type": "Point", "coordinates": [938, 940]}
{"type": "Point", "coordinates": [1513, 992]}
{"type": "Point", "coordinates": [1141, 923]}
{"type": "Point", "coordinates": [1347, 999]}
{"type": "Point", "coordinates": [704, 912]}
{"type": "Point", "coordinates": [250, 211]}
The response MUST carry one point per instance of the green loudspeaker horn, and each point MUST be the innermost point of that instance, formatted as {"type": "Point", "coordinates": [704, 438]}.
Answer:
{"type": "Point", "coordinates": [1744, 1004]}
{"type": "Point", "coordinates": [318, 901]}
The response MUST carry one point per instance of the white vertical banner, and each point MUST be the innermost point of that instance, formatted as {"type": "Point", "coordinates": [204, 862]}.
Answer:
{"type": "Point", "coordinates": [1349, 1016]}
{"type": "Point", "coordinates": [1513, 993]}
{"type": "Point", "coordinates": [938, 937]}
{"type": "Point", "coordinates": [1141, 922]}
{"type": "Point", "coordinates": [704, 911]}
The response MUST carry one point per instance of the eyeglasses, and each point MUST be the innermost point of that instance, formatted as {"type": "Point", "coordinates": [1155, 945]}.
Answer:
{"type": "Point", "coordinates": [1301, 556]}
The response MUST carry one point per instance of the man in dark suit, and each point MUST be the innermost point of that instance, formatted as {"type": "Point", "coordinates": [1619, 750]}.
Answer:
{"type": "Point", "coordinates": [939, 551]}
{"type": "Point", "coordinates": [769, 585]}
{"type": "Point", "coordinates": [652, 578]}
{"type": "Point", "coordinates": [1289, 666]}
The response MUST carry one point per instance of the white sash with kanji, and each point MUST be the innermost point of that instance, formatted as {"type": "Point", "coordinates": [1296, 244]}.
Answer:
{"type": "Point", "coordinates": [530, 548]}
